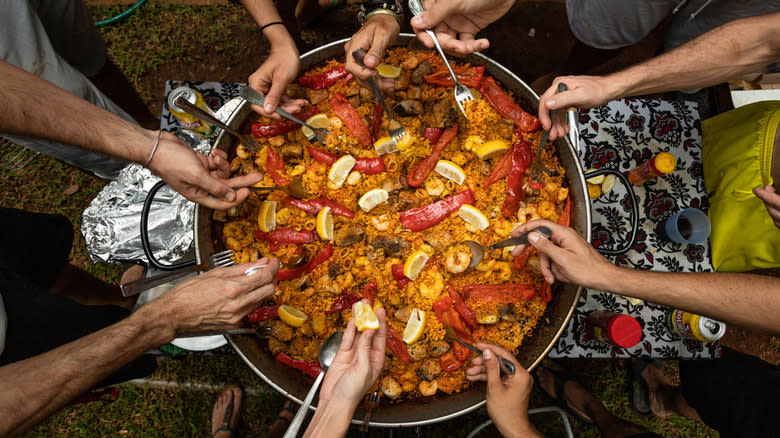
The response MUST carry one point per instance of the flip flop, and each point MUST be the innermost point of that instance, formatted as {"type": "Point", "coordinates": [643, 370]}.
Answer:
{"type": "Point", "coordinates": [226, 419]}
{"type": "Point", "coordinates": [560, 377]}
{"type": "Point", "coordinates": [640, 394]}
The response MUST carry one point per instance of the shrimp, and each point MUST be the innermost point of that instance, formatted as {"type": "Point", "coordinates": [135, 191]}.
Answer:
{"type": "Point", "coordinates": [277, 140]}
{"type": "Point", "coordinates": [546, 209]}
{"type": "Point", "coordinates": [432, 285]}
{"type": "Point", "coordinates": [434, 186]}
{"type": "Point", "coordinates": [428, 388]}
{"type": "Point", "coordinates": [241, 152]}
{"type": "Point", "coordinates": [527, 213]}
{"type": "Point", "coordinates": [502, 271]}
{"type": "Point", "coordinates": [390, 387]}
{"type": "Point", "coordinates": [449, 384]}
{"type": "Point", "coordinates": [459, 158]}
{"type": "Point", "coordinates": [235, 164]}
{"type": "Point", "coordinates": [298, 170]}
{"type": "Point", "coordinates": [408, 381]}
{"type": "Point", "coordinates": [457, 258]}
{"type": "Point", "coordinates": [381, 222]}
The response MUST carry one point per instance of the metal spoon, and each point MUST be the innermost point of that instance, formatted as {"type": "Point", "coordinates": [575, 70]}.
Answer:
{"type": "Point", "coordinates": [327, 353]}
{"type": "Point", "coordinates": [252, 96]}
{"type": "Point", "coordinates": [478, 250]}
{"type": "Point", "coordinates": [295, 189]}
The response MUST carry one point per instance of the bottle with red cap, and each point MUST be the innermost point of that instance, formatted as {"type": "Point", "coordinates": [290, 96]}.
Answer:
{"type": "Point", "coordinates": [614, 328]}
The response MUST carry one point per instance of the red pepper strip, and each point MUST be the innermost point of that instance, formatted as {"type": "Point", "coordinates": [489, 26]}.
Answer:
{"type": "Point", "coordinates": [462, 308]}
{"type": "Point", "coordinates": [347, 78]}
{"type": "Point", "coordinates": [421, 218]}
{"type": "Point", "coordinates": [274, 165]}
{"type": "Point", "coordinates": [501, 169]}
{"type": "Point", "coordinates": [449, 317]}
{"type": "Point", "coordinates": [289, 274]}
{"type": "Point", "coordinates": [536, 185]}
{"type": "Point", "coordinates": [307, 366]}
{"type": "Point", "coordinates": [565, 217]}
{"type": "Point", "coordinates": [546, 292]}
{"type": "Point", "coordinates": [263, 313]}
{"type": "Point", "coordinates": [369, 292]}
{"type": "Point", "coordinates": [461, 351]}
{"type": "Point", "coordinates": [352, 120]}
{"type": "Point", "coordinates": [468, 76]}
{"type": "Point", "coordinates": [397, 345]}
{"type": "Point", "coordinates": [313, 206]}
{"type": "Point", "coordinates": [432, 134]}
{"type": "Point", "coordinates": [324, 79]}
{"type": "Point", "coordinates": [521, 159]}
{"type": "Point", "coordinates": [499, 293]}
{"type": "Point", "coordinates": [344, 301]}
{"type": "Point", "coordinates": [324, 157]}
{"type": "Point", "coordinates": [425, 166]}
{"type": "Point", "coordinates": [288, 236]}
{"type": "Point", "coordinates": [449, 362]}
{"type": "Point", "coordinates": [369, 166]}
{"type": "Point", "coordinates": [521, 260]}
{"type": "Point", "coordinates": [283, 127]}
{"type": "Point", "coordinates": [398, 274]}
{"type": "Point", "coordinates": [505, 105]}
{"type": "Point", "coordinates": [376, 122]}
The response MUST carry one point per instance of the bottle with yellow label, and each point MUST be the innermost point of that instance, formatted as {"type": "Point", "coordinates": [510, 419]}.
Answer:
{"type": "Point", "coordinates": [661, 164]}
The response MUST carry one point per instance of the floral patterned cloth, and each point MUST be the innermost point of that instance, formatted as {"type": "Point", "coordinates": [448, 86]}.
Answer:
{"type": "Point", "coordinates": [620, 136]}
{"type": "Point", "coordinates": [215, 94]}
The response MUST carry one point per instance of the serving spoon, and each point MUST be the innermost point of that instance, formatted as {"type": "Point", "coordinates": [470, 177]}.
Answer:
{"type": "Point", "coordinates": [478, 250]}
{"type": "Point", "coordinates": [327, 353]}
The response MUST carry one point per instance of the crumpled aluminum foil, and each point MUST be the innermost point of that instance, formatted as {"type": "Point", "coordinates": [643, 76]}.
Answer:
{"type": "Point", "coordinates": [111, 225]}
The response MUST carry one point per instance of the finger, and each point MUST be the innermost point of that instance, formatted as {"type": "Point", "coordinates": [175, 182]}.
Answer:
{"type": "Point", "coordinates": [546, 267]}
{"type": "Point", "coordinates": [547, 247]}
{"type": "Point", "coordinates": [477, 378]}
{"type": "Point", "coordinates": [245, 180]}
{"type": "Point", "coordinates": [274, 96]}
{"type": "Point", "coordinates": [423, 37]}
{"type": "Point", "coordinates": [292, 105]}
{"type": "Point", "coordinates": [380, 340]}
{"type": "Point", "coordinates": [493, 372]}
{"type": "Point", "coordinates": [499, 351]}
{"type": "Point", "coordinates": [348, 339]}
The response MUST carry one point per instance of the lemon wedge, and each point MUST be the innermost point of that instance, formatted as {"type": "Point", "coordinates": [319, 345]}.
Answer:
{"type": "Point", "coordinates": [291, 315]}
{"type": "Point", "coordinates": [608, 183]}
{"type": "Point", "coordinates": [325, 224]}
{"type": "Point", "coordinates": [385, 145]}
{"type": "Point", "coordinates": [340, 169]}
{"type": "Point", "coordinates": [414, 264]}
{"type": "Point", "coordinates": [594, 190]}
{"type": "Point", "coordinates": [414, 327]}
{"type": "Point", "coordinates": [316, 121]}
{"type": "Point", "coordinates": [450, 170]}
{"type": "Point", "coordinates": [266, 219]}
{"type": "Point", "coordinates": [364, 316]}
{"type": "Point", "coordinates": [388, 71]}
{"type": "Point", "coordinates": [491, 149]}
{"type": "Point", "coordinates": [372, 198]}
{"type": "Point", "coordinates": [472, 215]}
{"type": "Point", "coordinates": [596, 179]}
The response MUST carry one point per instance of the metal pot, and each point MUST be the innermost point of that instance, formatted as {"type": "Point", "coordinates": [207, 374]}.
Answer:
{"type": "Point", "coordinates": [441, 407]}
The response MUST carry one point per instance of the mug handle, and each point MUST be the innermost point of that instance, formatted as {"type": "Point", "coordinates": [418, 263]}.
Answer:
{"type": "Point", "coordinates": [634, 210]}
{"type": "Point", "coordinates": [146, 244]}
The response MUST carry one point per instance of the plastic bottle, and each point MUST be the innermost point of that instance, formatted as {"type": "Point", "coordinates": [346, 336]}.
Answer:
{"type": "Point", "coordinates": [661, 164]}
{"type": "Point", "coordinates": [614, 328]}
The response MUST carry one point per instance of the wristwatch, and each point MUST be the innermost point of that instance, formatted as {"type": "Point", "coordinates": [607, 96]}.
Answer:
{"type": "Point", "coordinates": [370, 8]}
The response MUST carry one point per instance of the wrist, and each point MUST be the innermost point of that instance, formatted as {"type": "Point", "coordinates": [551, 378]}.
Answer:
{"type": "Point", "coordinates": [332, 418]}
{"type": "Point", "coordinates": [155, 321]}
{"type": "Point", "coordinates": [277, 35]}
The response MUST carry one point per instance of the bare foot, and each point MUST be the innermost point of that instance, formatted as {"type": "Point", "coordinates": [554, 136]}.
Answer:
{"type": "Point", "coordinates": [661, 392]}
{"type": "Point", "coordinates": [227, 410]}
{"type": "Point", "coordinates": [575, 396]}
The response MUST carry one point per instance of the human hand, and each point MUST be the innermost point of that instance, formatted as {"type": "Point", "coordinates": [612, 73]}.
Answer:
{"type": "Point", "coordinates": [377, 34]}
{"type": "Point", "coordinates": [771, 202]}
{"type": "Point", "coordinates": [356, 365]}
{"type": "Point", "coordinates": [567, 256]}
{"type": "Point", "coordinates": [199, 178]}
{"type": "Point", "coordinates": [583, 92]}
{"type": "Point", "coordinates": [272, 78]}
{"type": "Point", "coordinates": [218, 299]}
{"type": "Point", "coordinates": [507, 398]}
{"type": "Point", "coordinates": [456, 22]}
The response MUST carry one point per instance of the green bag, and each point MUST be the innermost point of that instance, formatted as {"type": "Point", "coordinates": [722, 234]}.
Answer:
{"type": "Point", "coordinates": [737, 151]}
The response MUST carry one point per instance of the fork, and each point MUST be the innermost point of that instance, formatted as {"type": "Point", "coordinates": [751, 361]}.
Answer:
{"type": "Point", "coordinates": [370, 404]}
{"type": "Point", "coordinates": [262, 332]}
{"type": "Point", "coordinates": [537, 170]}
{"type": "Point", "coordinates": [462, 93]}
{"type": "Point", "coordinates": [249, 142]}
{"type": "Point", "coordinates": [252, 96]}
{"type": "Point", "coordinates": [217, 260]}
{"type": "Point", "coordinates": [394, 127]}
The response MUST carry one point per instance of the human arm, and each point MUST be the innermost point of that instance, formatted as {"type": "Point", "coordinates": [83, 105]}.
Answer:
{"type": "Point", "coordinates": [456, 22]}
{"type": "Point", "coordinates": [353, 371]}
{"type": "Point", "coordinates": [735, 48]}
{"type": "Point", "coordinates": [37, 108]}
{"type": "Point", "coordinates": [282, 64]}
{"type": "Point", "coordinates": [378, 33]}
{"type": "Point", "coordinates": [771, 202]}
{"type": "Point", "coordinates": [747, 300]}
{"type": "Point", "coordinates": [507, 398]}
{"type": "Point", "coordinates": [224, 297]}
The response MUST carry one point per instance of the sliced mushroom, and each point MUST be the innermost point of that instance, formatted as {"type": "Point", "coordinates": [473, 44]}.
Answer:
{"type": "Point", "coordinates": [419, 73]}
{"type": "Point", "coordinates": [408, 108]}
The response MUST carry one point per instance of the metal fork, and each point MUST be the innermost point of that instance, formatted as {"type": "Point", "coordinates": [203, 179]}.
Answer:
{"type": "Point", "coordinates": [537, 170]}
{"type": "Point", "coordinates": [370, 404]}
{"type": "Point", "coordinates": [252, 96]}
{"type": "Point", "coordinates": [394, 127]}
{"type": "Point", "coordinates": [217, 260]}
{"type": "Point", "coordinates": [249, 142]}
{"type": "Point", "coordinates": [462, 93]}
{"type": "Point", "coordinates": [262, 332]}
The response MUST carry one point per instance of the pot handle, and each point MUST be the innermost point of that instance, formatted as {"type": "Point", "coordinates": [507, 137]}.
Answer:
{"type": "Point", "coordinates": [634, 210]}
{"type": "Point", "coordinates": [145, 234]}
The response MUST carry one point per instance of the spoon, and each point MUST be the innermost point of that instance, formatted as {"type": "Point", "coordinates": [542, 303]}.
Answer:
{"type": "Point", "coordinates": [327, 353]}
{"type": "Point", "coordinates": [478, 250]}
{"type": "Point", "coordinates": [506, 365]}
{"type": "Point", "coordinates": [295, 189]}
{"type": "Point", "coordinates": [252, 96]}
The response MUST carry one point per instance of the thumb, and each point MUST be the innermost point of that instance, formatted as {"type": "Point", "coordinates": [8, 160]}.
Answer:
{"type": "Point", "coordinates": [545, 246]}
{"type": "Point", "coordinates": [216, 188]}
{"type": "Point", "coordinates": [494, 383]}
{"type": "Point", "coordinates": [374, 54]}
{"type": "Point", "coordinates": [432, 16]}
{"type": "Point", "coordinates": [274, 96]}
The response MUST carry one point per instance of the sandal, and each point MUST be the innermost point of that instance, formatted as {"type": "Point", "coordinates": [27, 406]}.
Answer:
{"type": "Point", "coordinates": [640, 394]}
{"type": "Point", "coordinates": [229, 421]}
{"type": "Point", "coordinates": [560, 377]}
{"type": "Point", "coordinates": [279, 427]}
